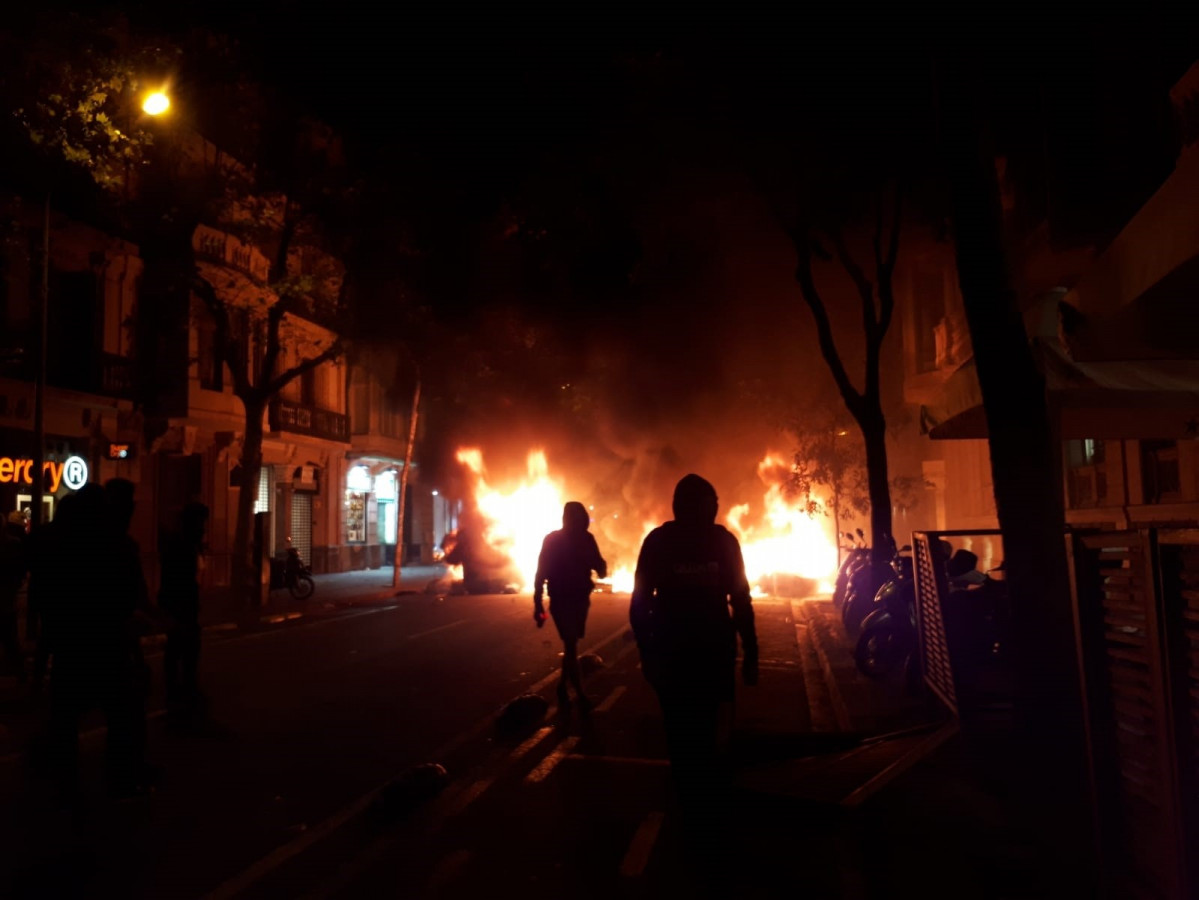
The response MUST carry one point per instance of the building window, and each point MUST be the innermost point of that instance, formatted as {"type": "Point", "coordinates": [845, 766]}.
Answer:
{"type": "Point", "coordinates": [1160, 474]}
{"type": "Point", "coordinates": [208, 359]}
{"type": "Point", "coordinates": [929, 290]}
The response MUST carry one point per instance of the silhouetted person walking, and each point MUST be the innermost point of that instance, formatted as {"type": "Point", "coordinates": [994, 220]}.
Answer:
{"type": "Point", "coordinates": [88, 612]}
{"type": "Point", "coordinates": [131, 585]}
{"type": "Point", "coordinates": [567, 560]}
{"type": "Point", "coordinates": [13, 566]}
{"type": "Point", "coordinates": [179, 597]}
{"type": "Point", "coordinates": [689, 572]}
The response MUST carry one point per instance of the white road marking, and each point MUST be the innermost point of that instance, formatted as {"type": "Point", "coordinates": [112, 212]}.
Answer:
{"type": "Point", "coordinates": [421, 634]}
{"type": "Point", "coordinates": [636, 858]}
{"type": "Point", "coordinates": [607, 703]}
{"type": "Point", "coordinates": [622, 760]}
{"type": "Point", "coordinates": [547, 765]}
{"type": "Point", "coordinates": [283, 853]}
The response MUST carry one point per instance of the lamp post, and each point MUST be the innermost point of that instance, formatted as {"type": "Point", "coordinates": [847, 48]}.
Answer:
{"type": "Point", "coordinates": [154, 103]}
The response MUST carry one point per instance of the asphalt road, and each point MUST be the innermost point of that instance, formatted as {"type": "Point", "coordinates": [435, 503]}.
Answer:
{"type": "Point", "coordinates": [272, 796]}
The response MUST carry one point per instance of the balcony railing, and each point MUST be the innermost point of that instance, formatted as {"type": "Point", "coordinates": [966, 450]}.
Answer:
{"type": "Point", "coordinates": [300, 419]}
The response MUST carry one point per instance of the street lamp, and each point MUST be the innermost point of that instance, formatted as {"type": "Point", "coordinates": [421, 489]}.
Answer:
{"type": "Point", "coordinates": [156, 103]}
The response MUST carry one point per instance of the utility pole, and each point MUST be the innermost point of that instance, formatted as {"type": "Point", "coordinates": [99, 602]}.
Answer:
{"type": "Point", "coordinates": [395, 572]}
{"type": "Point", "coordinates": [39, 388]}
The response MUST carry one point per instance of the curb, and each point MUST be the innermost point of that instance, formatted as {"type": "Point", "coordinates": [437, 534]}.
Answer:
{"type": "Point", "coordinates": [840, 707]}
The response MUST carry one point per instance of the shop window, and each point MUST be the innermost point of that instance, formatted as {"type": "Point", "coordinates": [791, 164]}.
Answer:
{"type": "Point", "coordinates": [263, 503]}
{"type": "Point", "coordinates": [1160, 473]}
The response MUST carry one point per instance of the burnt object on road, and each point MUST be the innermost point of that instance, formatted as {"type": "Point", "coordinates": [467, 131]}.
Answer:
{"type": "Point", "coordinates": [521, 715]}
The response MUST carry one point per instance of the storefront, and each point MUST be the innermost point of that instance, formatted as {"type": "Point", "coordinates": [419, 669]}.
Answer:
{"type": "Point", "coordinates": [65, 469]}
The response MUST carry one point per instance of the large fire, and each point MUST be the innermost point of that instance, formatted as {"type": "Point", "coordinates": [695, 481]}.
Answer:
{"type": "Point", "coordinates": [778, 537]}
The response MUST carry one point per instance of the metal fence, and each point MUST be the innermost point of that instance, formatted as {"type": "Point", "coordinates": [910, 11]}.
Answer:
{"type": "Point", "coordinates": [1136, 605]}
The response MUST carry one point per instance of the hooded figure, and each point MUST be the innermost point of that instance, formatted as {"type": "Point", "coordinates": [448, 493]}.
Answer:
{"type": "Point", "coordinates": [690, 572]}
{"type": "Point", "coordinates": [568, 557]}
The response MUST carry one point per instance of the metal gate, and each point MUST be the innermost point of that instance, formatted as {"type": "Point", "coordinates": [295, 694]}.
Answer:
{"type": "Point", "coordinates": [301, 525]}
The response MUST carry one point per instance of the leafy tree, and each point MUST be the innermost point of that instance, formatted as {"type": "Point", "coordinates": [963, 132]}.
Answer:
{"type": "Point", "coordinates": [829, 472]}
{"type": "Point", "coordinates": [281, 195]}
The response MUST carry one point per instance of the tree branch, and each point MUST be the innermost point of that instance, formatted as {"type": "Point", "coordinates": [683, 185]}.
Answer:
{"type": "Point", "coordinates": [279, 268]}
{"type": "Point", "coordinates": [333, 351]}
{"type": "Point", "coordinates": [274, 317]}
{"type": "Point", "coordinates": [886, 287]}
{"type": "Point", "coordinates": [865, 288]}
{"type": "Point", "coordinates": [824, 329]}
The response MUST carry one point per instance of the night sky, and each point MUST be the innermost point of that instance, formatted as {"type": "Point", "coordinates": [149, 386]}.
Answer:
{"type": "Point", "coordinates": [577, 193]}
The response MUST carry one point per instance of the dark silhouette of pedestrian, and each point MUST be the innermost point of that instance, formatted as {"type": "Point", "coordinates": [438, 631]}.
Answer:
{"type": "Point", "coordinates": [131, 585]}
{"type": "Point", "coordinates": [46, 573]}
{"type": "Point", "coordinates": [689, 573]}
{"type": "Point", "coordinates": [14, 565]}
{"type": "Point", "coordinates": [179, 598]}
{"type": "Point", "coordinates": [567, 560]}
{"type": "Point", "coordinates": [88, 612]}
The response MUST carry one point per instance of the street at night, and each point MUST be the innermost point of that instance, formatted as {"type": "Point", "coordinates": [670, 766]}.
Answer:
{"type": "Point", "coordinates": [277, 794]}
{"type": "Point", "coordinates": [599, 454]}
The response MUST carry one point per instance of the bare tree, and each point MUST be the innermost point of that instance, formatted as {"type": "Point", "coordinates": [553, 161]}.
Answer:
{"type": "Point", "coordinates": [877, 300]}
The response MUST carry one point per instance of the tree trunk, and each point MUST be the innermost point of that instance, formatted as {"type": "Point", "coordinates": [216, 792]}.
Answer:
{"type": "Point", "coordinates": [245, 574]}
{"type": "Point", "coordinates": [1050, 762]}
{"type": "Point", "coordinates": [395, 572]}
{"type": "Point", "coordinates": [874, 433]}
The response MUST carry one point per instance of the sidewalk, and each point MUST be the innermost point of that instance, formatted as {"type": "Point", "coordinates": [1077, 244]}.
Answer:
{"type": "Point", "coordinates": [883, 798]}
{"type": "Point", "coordinates": [221, 609]}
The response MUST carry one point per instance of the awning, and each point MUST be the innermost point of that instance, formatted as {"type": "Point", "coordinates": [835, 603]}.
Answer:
{"type": "Point", "coordinates": [1105, 401]}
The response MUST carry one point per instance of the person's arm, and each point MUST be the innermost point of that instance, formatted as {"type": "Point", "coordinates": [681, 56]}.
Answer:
{"type": "Point", "coordinates": [743, 613]}
{"type": "Point", "coordinates": [539, 583]}
{"type": "Point", "coordinates": [598, 563]}
{"type": "Point", "coordinates": [641, 602]}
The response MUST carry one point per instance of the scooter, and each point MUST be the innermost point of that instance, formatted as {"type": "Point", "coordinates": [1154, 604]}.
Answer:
{"type": "Point", "coordinates": [857, 554]}
{"type": "Point", "coordinates": [888, 638]}
{"type": "Point", "coordinates": [864, 584]}
{"type": "Point", "coordinates": [297, 577]}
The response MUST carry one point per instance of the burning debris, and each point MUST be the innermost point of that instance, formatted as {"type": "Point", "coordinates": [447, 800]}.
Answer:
{"type": "Point", "coordinates": [787, 552]}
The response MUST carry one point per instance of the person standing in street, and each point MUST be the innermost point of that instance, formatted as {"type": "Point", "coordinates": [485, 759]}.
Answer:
{"type": "Point", "coordinates": [690, 573]}
{"type": "Point", "coordinates": [14, 564]}
{"type": "Point", "coordinates": [179, 598]}
{"type": "Point", "coordinates": [135, 598]}
{"type": "Point", "coordinates": [568, 557]}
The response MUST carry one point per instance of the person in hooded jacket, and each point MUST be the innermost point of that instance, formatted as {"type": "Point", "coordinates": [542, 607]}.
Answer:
{"type": "Point", "coordinates": [690, 601]}
{"type": "Point", "coordinates": [568, 557]}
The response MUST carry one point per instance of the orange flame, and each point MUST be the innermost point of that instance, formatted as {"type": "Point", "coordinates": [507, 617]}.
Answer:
{"type": "Point", "coordinates": [781, 540]}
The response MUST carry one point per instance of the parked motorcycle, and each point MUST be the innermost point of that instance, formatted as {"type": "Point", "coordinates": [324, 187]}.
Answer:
{"type": "Point", "coordinates": [864, 584]}
{"type": "Point", "coordinates": [856, 554]}
{"type": "Point", "coordinates": [297, 577]}
{"type": "Point", "coordinates": [888, 638]}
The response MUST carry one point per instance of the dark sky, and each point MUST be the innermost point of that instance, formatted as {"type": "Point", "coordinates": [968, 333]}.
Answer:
{"type": "Point", "coordinates": [621, 136]}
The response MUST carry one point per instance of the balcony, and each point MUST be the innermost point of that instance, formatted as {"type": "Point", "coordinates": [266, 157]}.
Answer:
{"type": "Point", "coordinates": [300, 419]}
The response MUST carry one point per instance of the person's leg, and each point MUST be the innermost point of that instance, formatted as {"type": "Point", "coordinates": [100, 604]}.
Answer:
{"type": "Point", "coordinates": [570, 665]}
{"type": "Point", "coordinates": [171, 661]}
{"type": "Point", "coordinates": [69, 686]}
{"type": "Point", "coordinates": [10, 639]}
{"type": "Point", "coordinates": [191, 660]}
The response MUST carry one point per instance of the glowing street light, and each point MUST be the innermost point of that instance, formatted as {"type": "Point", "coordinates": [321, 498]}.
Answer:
{"type": "Point", "coordinates": [156, 103]}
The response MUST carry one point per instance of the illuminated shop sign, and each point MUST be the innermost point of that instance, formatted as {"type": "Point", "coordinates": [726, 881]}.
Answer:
{"type": "Point", "coordinates": [72, 473]}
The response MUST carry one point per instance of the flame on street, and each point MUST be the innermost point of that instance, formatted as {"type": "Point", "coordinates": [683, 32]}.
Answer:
{"type": "Point", "coordinates": [778, 538]}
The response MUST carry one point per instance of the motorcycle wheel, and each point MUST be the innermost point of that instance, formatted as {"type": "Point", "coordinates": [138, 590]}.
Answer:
{"type": "Point", "coordinates": [857, 608]}
{"type": "Point", "coordinates": [302, 587]}
{"type": "Point", "coordinates": [879, 651]}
